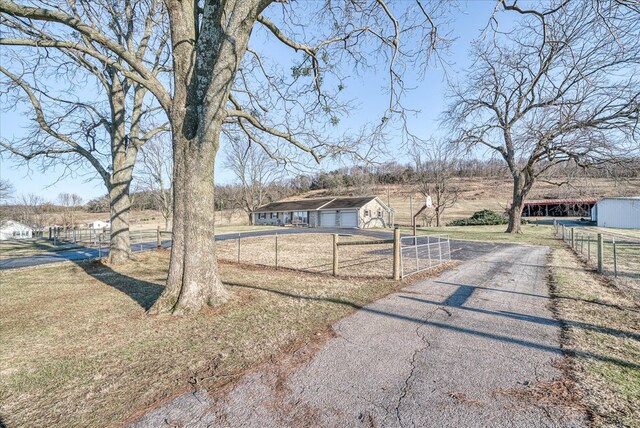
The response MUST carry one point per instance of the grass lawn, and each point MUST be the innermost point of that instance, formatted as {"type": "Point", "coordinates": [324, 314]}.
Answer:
{"type": "Point", "coordinates": [609, 384]}
{"type": "Point", "coordinates": [221, 230]}
{"type": "Point", "coordinates": [26, 248]}
{"type": "Point", "coordinates": [78, 350]}
{"type": "Point", "coordinates": [532, 234]}
{"type": "Point", "coordinates": [312, 252]}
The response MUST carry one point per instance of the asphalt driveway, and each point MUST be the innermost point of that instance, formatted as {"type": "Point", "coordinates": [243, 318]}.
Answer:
{"type": "Point", "coordinates": [461, 250]}
{"type": "Point", "coordinates": [472, 348]}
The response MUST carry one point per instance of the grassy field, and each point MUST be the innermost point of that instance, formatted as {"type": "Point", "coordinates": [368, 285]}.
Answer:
{"type": "Point", "coordinates": [312, 253]}
{"type": "Point", "coordinates": [25, 248]}
{"type": "Point", "coordinates": [602, 328]}
{"type": "Point", "coordinates": [532, 234]}
{"type": "Point", "coordinates": [80, 351]}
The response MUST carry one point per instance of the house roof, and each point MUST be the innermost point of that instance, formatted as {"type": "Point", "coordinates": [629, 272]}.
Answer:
{"type": "Point", "coordinates": [10, 224]}
{"type": "Point", "coordinates": [318, 204]}
{"type": "Point", "coordinates": [345, 203]}
{"type": "Point", "coordinates": [301, 205]}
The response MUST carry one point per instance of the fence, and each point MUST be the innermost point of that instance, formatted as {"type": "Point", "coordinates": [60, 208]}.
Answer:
{"type": "Point", "coordinates": [611, 254]}
{"type": "Point", "coordinates": [312, 252]}
{"type": "Point", "coordinates": [352, 255]}
{"type": "Point", "coordinates": [418, 253]}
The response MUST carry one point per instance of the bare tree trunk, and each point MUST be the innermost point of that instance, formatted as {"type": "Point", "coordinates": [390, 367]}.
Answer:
{"type": "Point", "coordinates": [201, 94]}
{"type": "Point", "coordinates": [120, 205]}
{"type": "Point", "coordinates": [521, 187]}
{"type": "Point", "coordinates": [193, 279]}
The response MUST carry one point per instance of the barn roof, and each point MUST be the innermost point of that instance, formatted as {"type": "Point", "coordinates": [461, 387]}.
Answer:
{"type": "Point", "coordinates": [317, 204]}
{"type": "Point", "coordinates": [561, 202]}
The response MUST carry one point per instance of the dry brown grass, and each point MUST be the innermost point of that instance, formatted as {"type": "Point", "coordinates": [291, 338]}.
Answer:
{"type": "Point", "coordinates": [601, 328]}
{"type": "Point", "coordinates": [78, 349]}
{"type": "Point", "coordinates": [312, 253]}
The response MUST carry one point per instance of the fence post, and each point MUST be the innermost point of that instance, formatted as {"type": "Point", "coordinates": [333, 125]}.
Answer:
{"type": "Point", "coordinates": [335, 254]}
{"type": "Point", "coordinates": [158, 239]}
{"type": "Point", "coordinates": [396, 253]}
{"type": "Point", "coordinates": [238, 248]}
{"type": "Point", "coordinates": [573, 238]}
{"type": "Point", "coordinates": [615, 259]}
{"type": "Point", "coordinates": [589, 248]}
{"type": "Point", "coordinates": [600, 252]}
{"type": "Point", "coordinates": [562, 232]}
{"type": "Point", "coordinates": [276, 251]}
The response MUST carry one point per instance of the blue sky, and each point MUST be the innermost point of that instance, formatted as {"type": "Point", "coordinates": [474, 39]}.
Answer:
{"type": "Point", "coordinates": [428, 97]}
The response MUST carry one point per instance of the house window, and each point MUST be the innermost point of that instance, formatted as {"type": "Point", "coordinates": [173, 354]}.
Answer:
{"type": "Point", "coordinates": [367, 213]}
{"type": "Point", "coordinates": [379, 213]}
{"type": "Point", "coordinates": [262, 216]}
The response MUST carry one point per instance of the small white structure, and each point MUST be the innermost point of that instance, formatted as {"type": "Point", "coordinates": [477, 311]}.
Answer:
{"type": "Point", "coordinates": [618, 212]}
{"type": "Point", "coordinates": [98, 224]}
{"type": "Point", "coordinates": [13, 230]}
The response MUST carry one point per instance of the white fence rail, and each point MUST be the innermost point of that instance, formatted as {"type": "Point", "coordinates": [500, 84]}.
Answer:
{"type": "Point", "coordinates": [418, 253]}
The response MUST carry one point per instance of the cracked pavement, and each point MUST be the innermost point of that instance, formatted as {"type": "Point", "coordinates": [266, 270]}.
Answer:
{"type": "Point", "coordinates": [458, 350]}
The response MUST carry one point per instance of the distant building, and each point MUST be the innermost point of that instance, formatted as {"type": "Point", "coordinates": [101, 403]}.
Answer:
{"type": "Point", "coordinates": [621, 213]}
{"type": "Point", "coordinates": [14, 230]}
{"type": "Point", "coordinates": [361, 212]}
{"type": "Point", "coordinates": [558, 207]}
{"type": "Point", "coordinates": [98, 224]}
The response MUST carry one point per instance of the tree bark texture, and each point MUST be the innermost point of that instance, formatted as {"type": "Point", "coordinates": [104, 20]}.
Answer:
{"type": "Point", "coordinates": [203, 73]}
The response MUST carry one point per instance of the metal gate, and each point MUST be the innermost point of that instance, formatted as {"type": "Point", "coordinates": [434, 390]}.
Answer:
{"type": "Point", "coordinates": [418, 253]}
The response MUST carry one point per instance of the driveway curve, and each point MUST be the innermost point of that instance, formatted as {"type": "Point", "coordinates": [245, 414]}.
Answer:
{"type": "Point", "coordinates": [474, 347]}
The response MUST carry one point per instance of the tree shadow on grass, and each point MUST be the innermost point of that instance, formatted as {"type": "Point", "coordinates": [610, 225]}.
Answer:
{"type": "Point", "coordinates": [144, 293]}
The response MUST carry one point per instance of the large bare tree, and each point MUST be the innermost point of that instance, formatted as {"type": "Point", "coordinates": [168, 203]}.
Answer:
{"type": "Point", "coordinates": [563, 85]}
{"type": "Point", "coordinates": [86, 111]}
{"type": "Point", "coordinates": [221, 81]}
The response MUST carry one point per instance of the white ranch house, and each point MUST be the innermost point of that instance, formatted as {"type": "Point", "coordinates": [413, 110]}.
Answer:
{"type": "Point", "coordinates": [13, 230]}
{"type": "Point", "coordinates": [360, 212]}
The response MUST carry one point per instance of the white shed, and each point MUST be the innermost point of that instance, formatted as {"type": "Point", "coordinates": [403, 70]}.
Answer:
{"type": "Point", "coordinates": [99, 224]}
{"type": "Point", "coordinates": [14, 230]}
{"type": "Point", "coordinates": [619, 212]}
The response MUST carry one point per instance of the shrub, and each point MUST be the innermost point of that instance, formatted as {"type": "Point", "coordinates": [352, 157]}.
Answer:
{"type": "Point", "coordinates": [481, 218]}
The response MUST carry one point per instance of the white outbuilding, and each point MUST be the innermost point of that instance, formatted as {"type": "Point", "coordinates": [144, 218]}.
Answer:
{"type": "Point", "coordinates": [99, 224]}
{"type": "Point", "coordinates": [617, 212]}
{"type": "Point", "coordinates": [13, 230]}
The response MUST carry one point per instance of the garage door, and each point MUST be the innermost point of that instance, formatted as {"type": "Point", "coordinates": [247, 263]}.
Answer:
{"type": "Point", "coordinates": [328, 219]}
{"type": "Point", "coordinates": [349, 219]}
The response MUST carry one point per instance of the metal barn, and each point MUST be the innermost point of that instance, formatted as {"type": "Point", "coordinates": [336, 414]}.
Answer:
{"type": "Point", "coordinates": [621, 213]}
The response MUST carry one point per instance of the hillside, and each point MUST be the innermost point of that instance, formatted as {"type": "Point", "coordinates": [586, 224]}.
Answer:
{"type": "Point", "coordinates": [477, 194]}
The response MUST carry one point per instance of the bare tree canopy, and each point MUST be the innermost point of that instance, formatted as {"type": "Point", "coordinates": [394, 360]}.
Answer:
{"type": "Point", "coordinates": [223, 81]}
{"type": "Point", "coordinates": [435, 165]}
{"type": "Point", "coordinates": [6, 191]}
{"type": "Point", "coordinates": [86, 111]}
{"type": "Point", "coordinates": [563, 85]}
{"type": "Point", "coordinates": [254, 171]}
{"type": "Point", "coordinates": [155, 174]}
